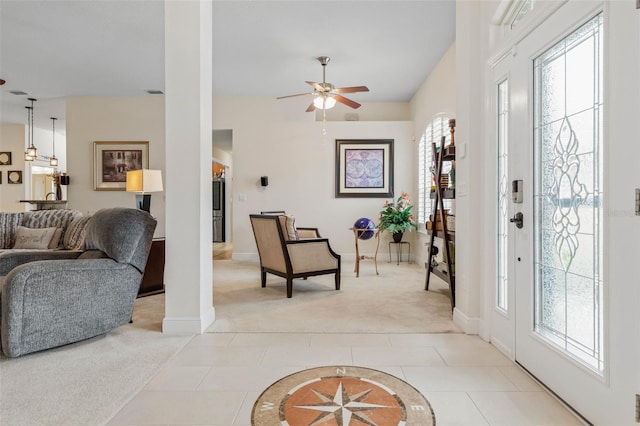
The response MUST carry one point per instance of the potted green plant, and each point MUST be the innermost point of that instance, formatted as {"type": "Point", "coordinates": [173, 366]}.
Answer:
{"type": "Point", "coordinates": [396, 217]}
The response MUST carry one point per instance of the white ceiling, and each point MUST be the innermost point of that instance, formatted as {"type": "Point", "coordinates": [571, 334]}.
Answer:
{"type": "Point", "coordinates": [54, 49]}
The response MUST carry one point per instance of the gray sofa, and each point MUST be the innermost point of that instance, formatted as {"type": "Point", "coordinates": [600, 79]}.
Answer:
{"type": "Point", "coordinates": [70, 225]}
{"type": "Point", "coordinates": [48, 303]}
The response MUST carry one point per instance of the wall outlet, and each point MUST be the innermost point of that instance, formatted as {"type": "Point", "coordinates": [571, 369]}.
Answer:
{"type": "Point", "coordinates": [242, 197]}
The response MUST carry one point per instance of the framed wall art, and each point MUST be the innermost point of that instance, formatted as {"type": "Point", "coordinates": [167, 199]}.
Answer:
{"type": "Point", "coordinates": [364, 168]}
{"type": "Point", "coordinates": [14, 177]}
{"type": "Point", "coordinates": [112, 161]}
{"type": "Point", "coordinates": [5, 158]}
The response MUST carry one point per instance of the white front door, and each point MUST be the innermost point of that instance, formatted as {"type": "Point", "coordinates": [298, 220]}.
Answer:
{"type": "Point", "coordinates": [557, 320]}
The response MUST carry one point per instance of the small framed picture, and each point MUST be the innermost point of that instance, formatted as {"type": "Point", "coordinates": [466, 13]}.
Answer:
{"type": "Point", "coordinates": [14, 176]}
{"type": "Point", "coordinates": [5, 158]}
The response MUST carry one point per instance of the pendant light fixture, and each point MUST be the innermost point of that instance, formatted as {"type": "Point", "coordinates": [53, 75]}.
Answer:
{"type": "Point", "coordinates": [27, 157]}
{"type": "Point", "coordinates": [32, 151]}
{"type": "Point", "coordinates": [53, 161]}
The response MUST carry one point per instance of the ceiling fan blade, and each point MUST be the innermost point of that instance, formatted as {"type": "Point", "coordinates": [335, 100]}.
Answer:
{"type": "Point", "coordinates": [291, 96]}
{"type": "Point", "coordinates": [351, 89]}
{"type": "Point", "coordinates": [311, 107]}
{"type": "Point", "coordinates": [316, 86]}
{"type": "Point", "coordinates": [347, 102]}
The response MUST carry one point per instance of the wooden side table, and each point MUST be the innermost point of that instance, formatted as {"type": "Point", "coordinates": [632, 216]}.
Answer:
{"type": "Point", "coordinates": [153, 278]}
{"type": "Point", "coordinates": [356, 232]}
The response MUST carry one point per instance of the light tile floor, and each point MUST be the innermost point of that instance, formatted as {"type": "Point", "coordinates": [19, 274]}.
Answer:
{"type": "Point", "coordinates": [217, 377]}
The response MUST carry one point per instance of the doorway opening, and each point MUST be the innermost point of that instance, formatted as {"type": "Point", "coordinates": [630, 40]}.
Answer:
{"type": "Point", "coordinates": [221, 182]}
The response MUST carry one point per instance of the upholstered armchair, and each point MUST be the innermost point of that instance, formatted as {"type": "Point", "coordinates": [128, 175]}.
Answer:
{"type": "Point", "coordinates": [49, 303]}
{"type": "Point", "coordinates": [291, 258]}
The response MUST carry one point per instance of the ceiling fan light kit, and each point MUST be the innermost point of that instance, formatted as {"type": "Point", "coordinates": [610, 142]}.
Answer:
{"type": "Point", "coordinates": [326, 94]}
{"type": "Point", "coordinates": [324, 101]}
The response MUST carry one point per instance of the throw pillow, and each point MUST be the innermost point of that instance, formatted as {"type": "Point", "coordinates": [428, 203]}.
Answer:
{"type": "Point", "coordinates": [74, 237]}
{"type": "Point", "coordinates": [288, 223]}
{"type": "Point", "coordinates": [33, 238]}
{"type": "Point", "coordinates": [59, 218]}
{"type": "Point", "coordinates": [55, 240]}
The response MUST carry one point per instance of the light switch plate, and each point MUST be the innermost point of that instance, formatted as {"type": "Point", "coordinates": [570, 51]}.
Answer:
{"type": "Point", "coordinates": [462, 151]}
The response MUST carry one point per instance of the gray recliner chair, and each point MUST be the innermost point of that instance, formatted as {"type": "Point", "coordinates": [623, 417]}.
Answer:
{"type": "Point", "coordinates": [49, 303]}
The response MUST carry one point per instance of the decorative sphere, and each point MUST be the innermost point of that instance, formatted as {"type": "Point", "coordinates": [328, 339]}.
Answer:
{"type": "Point", "coordinates": [365, 223]}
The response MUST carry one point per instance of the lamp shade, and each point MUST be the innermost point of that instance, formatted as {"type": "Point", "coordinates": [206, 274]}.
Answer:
{"type": "Point", "coordinates": [144, 181]}
{"type": "Point", "coordinates": [324, 101]}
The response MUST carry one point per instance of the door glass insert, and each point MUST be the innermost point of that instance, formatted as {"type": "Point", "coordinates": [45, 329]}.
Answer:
{"type": "Point", "coordinates": [568, 194]}
{"type": "Point", "coordinates": [503, 196]}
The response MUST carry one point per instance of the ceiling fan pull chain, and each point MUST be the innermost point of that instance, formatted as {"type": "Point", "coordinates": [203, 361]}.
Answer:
{"type": "Point", "coordinates": [324, 121]}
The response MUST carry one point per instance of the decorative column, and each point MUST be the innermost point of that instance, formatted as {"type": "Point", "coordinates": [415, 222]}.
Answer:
{"type": "Point", "coordinates": [188, 121]}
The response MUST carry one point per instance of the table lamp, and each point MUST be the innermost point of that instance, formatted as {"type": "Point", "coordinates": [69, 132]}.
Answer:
{"type": "Point", "coordinates": [143, 182]}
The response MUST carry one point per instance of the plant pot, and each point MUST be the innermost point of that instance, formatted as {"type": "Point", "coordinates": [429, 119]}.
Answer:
{"type": "Point", "coordinates": [397, 237]}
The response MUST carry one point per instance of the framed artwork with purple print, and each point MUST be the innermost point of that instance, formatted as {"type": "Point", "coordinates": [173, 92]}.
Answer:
{"type": "Point", "coordinates": [364, 168]}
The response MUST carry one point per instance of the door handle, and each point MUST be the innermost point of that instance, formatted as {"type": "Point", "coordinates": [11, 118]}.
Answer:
{"type": "Point", "coordinates": [518, 220]}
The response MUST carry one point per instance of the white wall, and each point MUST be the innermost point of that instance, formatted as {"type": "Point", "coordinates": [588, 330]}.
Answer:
{"type": "Point", "coordinates": [435, 96]}
{"type": "Point", "coordinates": [12, 139]}
{"type": "Point", "coordinates": [222, 157]}
{"type": "Point", "coordinates": [369, 111]}
{"type": "Point", "coordinates": [472, 34]}
{"type": "Point", "coordinates": [91, 119]}
{"type": "Point", "coordinates": [279, 140]}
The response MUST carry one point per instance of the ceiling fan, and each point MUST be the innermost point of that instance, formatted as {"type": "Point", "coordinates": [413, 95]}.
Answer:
{"type": "Point", "coordinates": [326, 94]}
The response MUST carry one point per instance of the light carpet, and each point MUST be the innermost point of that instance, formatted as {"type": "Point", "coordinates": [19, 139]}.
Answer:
{"type": "Point", "coordinates": [393, 302]}
{"type": "Point", "coordinates": [86, 383]}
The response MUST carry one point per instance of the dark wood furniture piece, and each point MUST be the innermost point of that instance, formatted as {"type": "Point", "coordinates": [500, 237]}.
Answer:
{"type": "Point", "coordinates": [153, 278]}
{"type": "Point", "coordinates": [444, 270]}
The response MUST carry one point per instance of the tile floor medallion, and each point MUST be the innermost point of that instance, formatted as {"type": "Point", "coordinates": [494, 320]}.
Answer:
{"type": "Point", "coordinates": [342, 396]}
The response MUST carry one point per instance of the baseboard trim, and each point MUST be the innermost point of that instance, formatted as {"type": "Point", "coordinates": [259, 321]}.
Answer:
{"type": "Point", "coordinates": [351, 257]}
{"type": "Point", "coordinates": [502, 348]}
{"type": "Point", "coordinates": [188, 325]}
{"type": "Point", "coordinates": [467, 324]}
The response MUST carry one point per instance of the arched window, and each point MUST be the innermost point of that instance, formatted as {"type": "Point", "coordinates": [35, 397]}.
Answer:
{"type": "Point", "coordinates": [437, 128]}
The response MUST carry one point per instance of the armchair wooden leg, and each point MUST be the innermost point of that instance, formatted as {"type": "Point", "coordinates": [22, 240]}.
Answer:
{"type": "Point", "coordinates": [289, 287]}
{"type": "Point", "coordinates": [338, 280]}
{"type": "Point", "coordinates": [263, 276]}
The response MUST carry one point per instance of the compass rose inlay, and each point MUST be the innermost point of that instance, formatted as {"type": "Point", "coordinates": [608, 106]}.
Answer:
{"type": "Point", "coordinates": [341, 396]}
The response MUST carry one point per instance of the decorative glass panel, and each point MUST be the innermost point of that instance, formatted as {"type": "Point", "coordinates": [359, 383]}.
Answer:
{"type": "Point", "coordinates": [503, 196]}
{"type": "Point", "coordinates": [568, 194]}
{"type": "Point", "coordinates": [524, 7]}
